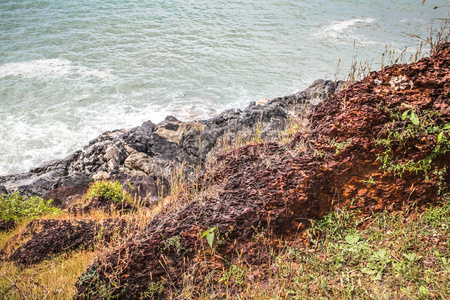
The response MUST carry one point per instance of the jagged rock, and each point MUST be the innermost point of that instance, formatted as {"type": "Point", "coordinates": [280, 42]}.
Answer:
{"type": "Point", "coordinates": [175, 131]}
{"type": "Point", "coordinates": [149, 152]}
{"type": "Point", "coordinates": [64, 195]}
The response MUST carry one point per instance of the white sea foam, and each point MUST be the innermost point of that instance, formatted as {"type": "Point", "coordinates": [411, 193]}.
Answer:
{"type": "Point", "coordinates": [340, 26]}
{"type": "Point", "coordinates": [27, 143]}
{"type": "Point", "coordinates": [51, 68]}
{"type": "Point", "coordinates": [343, 31]}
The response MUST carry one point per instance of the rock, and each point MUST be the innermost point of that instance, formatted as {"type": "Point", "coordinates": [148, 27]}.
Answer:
{"type": "Point", "coordinates": [64, 196]}
{"type": "Point", "coordinates": [101, 175]}
{"type": "Point", "coordinates": [154, 150]}
{"type": "Point", "coordinates": [139, 161]}
{"type": "Point", "coordinates": [175, 131]}
{"type": "Point", "coordinates": [146, 189]}
{"type": "Point", "coordinates": [3, 190]}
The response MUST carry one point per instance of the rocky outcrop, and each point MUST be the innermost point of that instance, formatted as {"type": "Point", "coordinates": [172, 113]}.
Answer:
{"type": "Point", "coordinates": [271, 190]}
{"type": "Point", "coordinates": [146, 155]}
{"type": "Point", "coordinates": [104, 204]}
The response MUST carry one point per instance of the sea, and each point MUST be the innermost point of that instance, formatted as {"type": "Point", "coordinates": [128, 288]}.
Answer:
{"type": "Point", "coordinates": [70, 70]}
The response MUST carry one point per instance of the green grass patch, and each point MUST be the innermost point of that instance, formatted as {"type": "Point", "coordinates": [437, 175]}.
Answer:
{"type": "Point", "coordinates": [387, 255]}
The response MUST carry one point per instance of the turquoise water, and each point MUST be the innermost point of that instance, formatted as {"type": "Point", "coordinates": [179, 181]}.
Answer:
{"type": "Point", "coordinates": [70, 70]}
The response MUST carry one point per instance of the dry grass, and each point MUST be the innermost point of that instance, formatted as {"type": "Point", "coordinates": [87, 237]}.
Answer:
{"type": "Point", "coordinates": [53, 279]}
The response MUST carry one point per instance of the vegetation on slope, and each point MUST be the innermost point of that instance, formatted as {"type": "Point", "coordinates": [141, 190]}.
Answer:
{"type": "Point", "coordinates": [354, 206]}
{"type": "Point", "coordinates": [15, 207]}
{"type": "Point", "coordinates": [272, 190]}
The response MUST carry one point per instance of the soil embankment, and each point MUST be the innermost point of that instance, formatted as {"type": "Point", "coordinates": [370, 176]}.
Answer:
{"type": "Point", "coordinates": [382, 143]}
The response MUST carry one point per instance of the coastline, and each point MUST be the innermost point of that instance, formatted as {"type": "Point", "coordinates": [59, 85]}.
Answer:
{"type": "Point", "coordinates": [145, 156]}
{"type": "Point", "coordinates": [358, 199]}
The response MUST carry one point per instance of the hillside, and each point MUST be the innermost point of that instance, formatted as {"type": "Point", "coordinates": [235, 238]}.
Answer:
{"type": "Point", "coordinates": [377, 151]}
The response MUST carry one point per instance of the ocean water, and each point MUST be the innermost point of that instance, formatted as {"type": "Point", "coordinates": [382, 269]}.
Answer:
{"type": "Point", "coordinates": [70, 70]}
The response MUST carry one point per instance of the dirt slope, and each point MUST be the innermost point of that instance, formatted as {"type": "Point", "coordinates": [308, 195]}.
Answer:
{"type": "Point", "coordinates": [373, 146]}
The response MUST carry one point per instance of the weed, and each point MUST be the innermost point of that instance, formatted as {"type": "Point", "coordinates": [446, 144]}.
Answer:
{"type": "Point", "coordinates": [209, 235]}
{"type": "Point", "coordinates": [54, 279]}
{"type": "Point", "coordinates": [439, 216]}
{"type": "Point", "coordinates": [293, 126]}
{"type": "Point", "coordinates": [338, 146]}
{"type": "Point", "coordinates": [233, 273]}
{"type": "Point", "coordinates": [109, 190]}
{"type": "Point", "coordinates": [335, 224]}
{"type": "Point", "coordinates": [369, 181]}
{"type": "Point", "coordinates": [16, 207]}
{"type": "Point", "coordinates": [174, 243]}
{"type": "Point", "coordinates": [258, 131]}
{"type": "Point", "coordinates": [405, 134]}
{"type": "Point", "coordinates": [153, 289]}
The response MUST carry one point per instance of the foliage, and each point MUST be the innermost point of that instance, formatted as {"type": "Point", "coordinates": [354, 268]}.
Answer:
{"type": "Point", "coordinates": [439, 216]}
{"type": "Point", "coordinates": [16, 207]}
{"type": "Point", "coordinates": [109, 190]}
{"type": "Point", "coordinates": [234, 273]}
{"type": "Point", "coordinates": [339, 146]}
{"type": "Point", "coordinates": [209, 235]}
{"type": "Point", "coordinates": [154, 289]}
{"type": "Point", "coordinates": [412, 142]}
{"type": "Point", "coordinates": [337, 223]}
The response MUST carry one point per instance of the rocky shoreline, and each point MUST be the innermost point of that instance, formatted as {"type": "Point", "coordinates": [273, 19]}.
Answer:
{"type": "Point", "coordinates": [145, 156]}
{"type": "Point", "coordinates": [375, 150]}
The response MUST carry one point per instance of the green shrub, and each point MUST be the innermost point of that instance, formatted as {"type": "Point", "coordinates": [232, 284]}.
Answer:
{"type": "Point", "coordinates": [16, 207]}
{"type": "Point", "coordinates": [109, 190]}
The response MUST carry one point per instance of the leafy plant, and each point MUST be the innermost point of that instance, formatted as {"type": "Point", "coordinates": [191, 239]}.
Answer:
{"type": "Point", "coordinates": [109, 190]}
{"type": "Point", "coordinates": [445, 129]}
{"type": "Point", "coordinates": [377, 263]}
{"type": "Point", "coordinates": [15, 207]}
{"type": "Point", "coordinates": [209, 235]}
{"type": "Point", "coordinates": [338, 146]}
{"type": "Point", "coordinates": [174, 243]}
{"type": "Point", "coordinates": [412, 257]}
{"type": "Point", "coordinates": [335, 224]}
{"type": "Point", "coordinates": [352, 239]}
{"type": "Point", "coordinates": [369, 181]}
{"type": "Point", "coordinates": [406, 145]}
{"type": "Point", "coordinates": [235, 273]}
{"type": "Point", "coordinates": [410, 114]}
{"type": "Point", "coordinates": [439, 216]}
{"type": "Point", "coordinates": [153, 289]}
